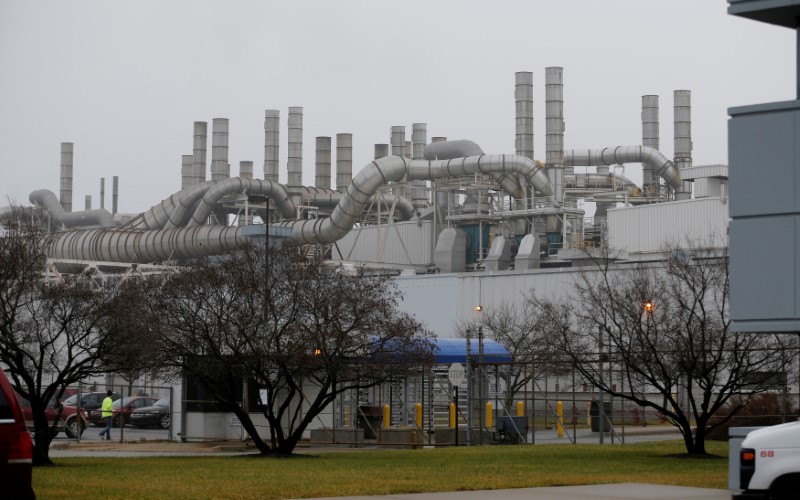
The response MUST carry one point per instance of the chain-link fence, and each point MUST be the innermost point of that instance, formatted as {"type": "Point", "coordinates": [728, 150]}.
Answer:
{"type": "Point", "coordinates": [505, 403]}
{"type": "Point", "coordinates": [139, 413]}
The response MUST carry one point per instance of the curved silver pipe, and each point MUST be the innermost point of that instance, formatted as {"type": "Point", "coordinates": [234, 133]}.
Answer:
{"type": "Point", "coordinates": [164, 213]}
{"type": "Point", "coordinates": [141, 246]}
{"type": "Point", "coordinates": [233, 185]}
{"type": "Point", "coordinates": [653, 158]}
{"type": "Point", "coordinates": [592, 182]}
{"type": "Point", "coordinates": [394, 168]}
{"type": "Point", "coordinates": [447, 150]}
{"type": "Point", "coordinates": [47, 199]}
{"type": "Point", "coordinates": [328, 199]}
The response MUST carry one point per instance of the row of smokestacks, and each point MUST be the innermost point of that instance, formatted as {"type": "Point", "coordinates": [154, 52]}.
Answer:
{"type": "Point", "coordinates": [67, 174]}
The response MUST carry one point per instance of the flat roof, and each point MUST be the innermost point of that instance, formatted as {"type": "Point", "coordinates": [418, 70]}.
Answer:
{"type": "Point", "coordinates": [454, 350]}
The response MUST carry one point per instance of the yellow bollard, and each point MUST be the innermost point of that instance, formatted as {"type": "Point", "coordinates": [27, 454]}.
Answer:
{"type": "Point", "coordinates": [520, 408]}
{"type": "Point", "coordinates": [387, 416]}
{"type": "Point", "coordinates": [419, 415]}
{"type": "Point", "coordinates": [560, 414]}
{"type": "Point", "coordinates": [489, 415]}
{"type": "Point", "coordinates": [452, 415]}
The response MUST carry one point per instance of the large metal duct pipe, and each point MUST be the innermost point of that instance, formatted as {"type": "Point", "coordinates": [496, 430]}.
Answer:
{"type": "Point", "coordinates": [236, 185]}
{"type": "Point", "coordinates": [650, 138]}
{"type": "Point", "coordinates": [394, 168]}
{"type": "Point", "coordinates": [47, 199]}
{"type": "Point", "coordinates": [66, 176]}
{"type": "Point", "coordinates": [295, 158]}
{"type": "Point", "coordinates": [187, 171]}
{"type": "Point", "coordinates": [114, 194]}
{"type": "Point", "coordinates": [102, 192]}
{"type": "Point", "coordinates": [272, 127]}
{"type": "Point", "coordinates": [554, 105]}
{"type": "Point", "coordinates": [523, 97]}
{"type": "Point", "coordinates": [419, 137]}
{"type": "Point", "coordinates": [219, 149]}
{"type": "Point", "coordinates": [447, 150]}
{"type": "Point", "coordinates": [398, 143]}
{"type": "Point", "coordinates": [683, 138]}
{"type": "Point", "coordinates": [199, 151]}
{"type": "Point", "coordinates": [344, 161]}
{"type": "Point", "coordinates": [327, 199]}
{"type": "Point", "coordinates": [381, 151]}
{"type": "Point", "coordinates": [654, 159]}
{"type": "Point", "coordinates": [138, 246]}
{"type": "Point", "coordinates": [322, 177]}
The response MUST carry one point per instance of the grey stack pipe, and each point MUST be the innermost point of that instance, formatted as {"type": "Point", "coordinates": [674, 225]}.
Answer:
{"type": "Point", "coordinates": [295, 157]}
{"type": "Point", "coordinates": [683, 138]}
{"type": "Point", "coordinates": [439, 198]}
{"type": "Point", "coordinates": [246, 169]}
{"type": "Point", "coordinates": [523, 96]}
{"type": "Point", "coordinates": [650, 139]}
{"type": "Point", "coordinates": [398, 144]}
{"type": "Point", "coordinates": [87, 202]}
{"type": "Point", "coordinates": [199, 151]}
{"type": "Point", "coordinates": [219, 149]}
{"type": "Point", "coordinates": [114, 194]}
{"type": "Point", "coordinates": [554, 96]}
{"type": "Point", "coordinates": [381, 151]}
{"type": "Point", "coordinates": [66, 176]}
{"type": "Point", "coordinates": [102, 192]}
{"type": "Point", "coordinates": [419, 138]}
{"type": "Point", "coordinates": [344, 161]}
{"type": "Point", "coordinates": [187, 172]}
{"type": "Point", "coordinates": [322, 179]}
{"type": "Point", "coordinates": [272, 125]}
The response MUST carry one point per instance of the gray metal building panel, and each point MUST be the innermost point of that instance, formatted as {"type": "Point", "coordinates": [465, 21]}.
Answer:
{"type": "Point", "coordinates": [778, 12]}
{"type": "Point", "coordinates": [764, 278]}
{"type": "Point", "coordinates": [402, 243]}
{"type": "Point", "coordinates": [763, 170]}
{"type": "Point", "coordinates": [698, 222]}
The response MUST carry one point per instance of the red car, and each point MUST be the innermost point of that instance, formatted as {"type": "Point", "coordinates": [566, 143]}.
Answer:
{"type": "Point", "coordinates": [16, 446]}
{"type": "Point", "coordinates": [121, 410]}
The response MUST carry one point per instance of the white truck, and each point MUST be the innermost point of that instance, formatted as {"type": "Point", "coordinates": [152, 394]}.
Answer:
{"type": "Point", "coordinates": [769, 463]}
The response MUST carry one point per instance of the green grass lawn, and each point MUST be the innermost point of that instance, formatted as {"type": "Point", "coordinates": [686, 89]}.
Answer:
{"type": "Point", "coordinates": [376, 472]}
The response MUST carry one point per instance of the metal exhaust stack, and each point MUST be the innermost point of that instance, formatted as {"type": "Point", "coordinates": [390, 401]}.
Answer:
{"type": "Point", "coordinates": [66, 176]}
{"type": "Point", "coordinates": [219, 149]}
{"type": "Point", "coordinates": [246, 169]}
{"type": "Point", "coordinates": [554, 96]}
{"type": "Point", "coordinates": [419, 138]}
{"type": "Point", "coordinates": [344, 161]}
{"type": "Point", "coordinates": [272, 126]}
{"type": "Point", "coordinates": [322, 179]}
{"type": "Point", "coordinates": [102, 192]}
{"type": "Point", "coordinates": [523, 95]}
{"type": "Point", "coordinates": [187, 172]}
{"type": "Point", "coordinates": [199, 151]}
{"type": "Point", "coordinates": [650, 139]}
{"type": "Point", "coordinates": [114, 194]}
{"type": "Point", "coordinates": [295, 158]}
{"type": "Point", "coordinates": [87, 202]}
{"type": "Point", "coordinates": [381, 151]}
{"type": "Point", "coordinates": [682, 102]}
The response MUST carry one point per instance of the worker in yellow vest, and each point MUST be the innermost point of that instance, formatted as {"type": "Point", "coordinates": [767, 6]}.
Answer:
{"type": "Point", "coordinates": [107, 409]}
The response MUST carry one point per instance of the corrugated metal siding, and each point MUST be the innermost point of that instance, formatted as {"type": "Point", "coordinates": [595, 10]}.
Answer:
{"type": "Point", "coordinates": [650, 228]}
{"type": "Point", "coordinates": [402, 243]}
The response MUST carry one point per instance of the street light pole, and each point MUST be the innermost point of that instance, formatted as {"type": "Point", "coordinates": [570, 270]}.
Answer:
{"type": "Point", "coordinates": [600, 409]}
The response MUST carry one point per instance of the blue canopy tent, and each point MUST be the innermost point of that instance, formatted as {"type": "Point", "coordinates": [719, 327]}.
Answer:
{"type": "Point", "coordinates": [454, 350]}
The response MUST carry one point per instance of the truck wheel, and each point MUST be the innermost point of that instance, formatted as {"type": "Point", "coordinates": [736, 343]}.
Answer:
{"type": "Point", "coordinates": [74, 428]}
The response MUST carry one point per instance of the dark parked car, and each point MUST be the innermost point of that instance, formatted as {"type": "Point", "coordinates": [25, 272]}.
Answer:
{"type": "Point", "coordinates": [121, 410]}
{"type": "Point", "coordinates": [157, 415]}
{"type": "Point", "coordinates": [16, 447]}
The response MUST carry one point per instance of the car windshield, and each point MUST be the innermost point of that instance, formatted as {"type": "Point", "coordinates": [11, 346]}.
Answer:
{"type": "Point", "coordinates": [162, 402]}
{"type": "Point", "coordinates": [70, 401]}
{"type": "Point", "coordinates": [120, 402]}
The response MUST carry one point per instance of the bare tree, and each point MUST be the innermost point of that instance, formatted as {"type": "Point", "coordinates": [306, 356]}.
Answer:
{"type": "Point", "coordinates": [665, 329]}
{"type": "Point", "coordinates": [295, 332]}
{"type": "Point", "coordinates": [49, 336]}
{"type": "Point", "coordinates": [518, 328]}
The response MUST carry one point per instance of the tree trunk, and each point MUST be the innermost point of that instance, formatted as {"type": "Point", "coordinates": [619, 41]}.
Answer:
{"type": "Point", "coordinates": [41, 444]}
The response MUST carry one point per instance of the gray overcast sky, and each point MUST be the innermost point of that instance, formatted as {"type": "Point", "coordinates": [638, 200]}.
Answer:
{"type": "Point", "coordinates": [125, 81]}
